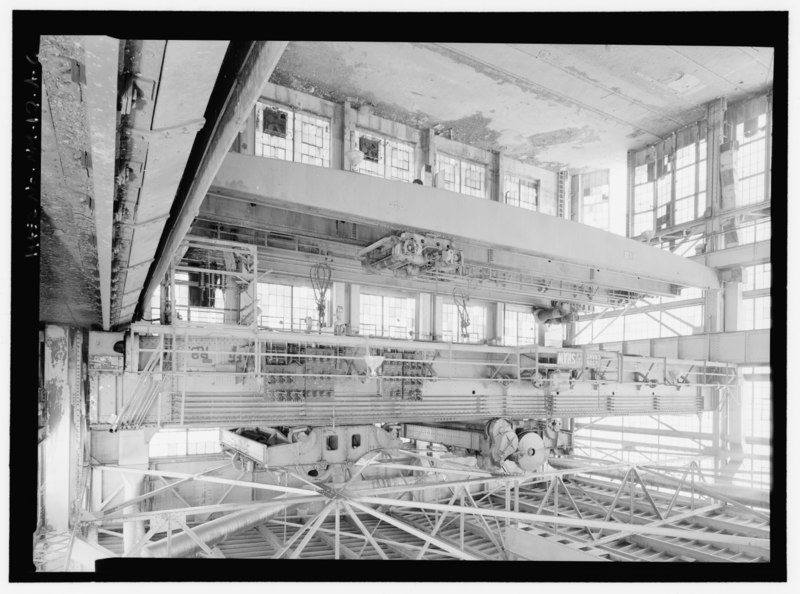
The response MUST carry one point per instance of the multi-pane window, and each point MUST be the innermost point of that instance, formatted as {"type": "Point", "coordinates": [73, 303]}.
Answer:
{"type": "Point", "coordinates": [274, 132]}
{"type": "Point", "coordinates": [671, 321]}
{"type": "Point", "coordinates": [519, 328]}
{"type": "Point", "coordinates": [755, 391]}
{"type": "Point", "coordinates": [755, 313]}
{"type": "Point", "coordinates": [460, 175]}
{"type": "Point", "coordinates": [282, 133]}
{"type": "Point", "coordinates": [155, 306]}
{"type": "Point", "coordinates": [749, 232]}
{"type": "Point", "coordinates": [522, 192]}
{"type": "Point", "coordinates": [755, 310]}
{"type": "Point", "coordinates": [184, 442]}
{"type": "Point", "coordinates": [643, 200]}
{"type": "Point", "coordinates": [682, 321]}
{"type": "Point", "coordinates": [197, 299]}
{"type": "Point", "coordinates": [287, 307]}
{"type": "Point", "coordinates": [275, 304]}
{"type": "Point", "coordinates": [659, 438]}
{"type": "Point", "coordinates": [473, 180]}
{"type": "Point", "coordinates": [690, 182]}
{"type": "Point", "coordinates": [664, 200]}
{"type": "Point", "coordinates": [600, 330]}
{"type": "Point", "coordinates": [401, 161]}
{"type": "Point", "coordinates": [315, 139]}
{"type": "Point", "coordinates": [669, 184]}
{"type": "Point", "coordinates": [448, 171]}
{"type": "Point", "coordinates": [385, 157]}
{"type": "Point", "coordinates": [451, 323]}
{"type": "Point", "coordinates": [304, 306]}
{"type": "Point", "coordinates": [387, 316]}
{"type": "Point", "coordinates": [751, 157]}
{"type": "Point", "coordinates": [593, 198]}
{"type": "Point", "coordinates": [757, 277]}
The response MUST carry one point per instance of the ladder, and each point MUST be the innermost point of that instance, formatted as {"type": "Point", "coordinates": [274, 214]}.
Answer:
{"type": "Point", "coordinates": [561, 193]}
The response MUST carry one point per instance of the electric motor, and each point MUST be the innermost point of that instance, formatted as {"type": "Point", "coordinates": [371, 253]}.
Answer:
{"type": "Point", "coordinates": [531, 452]}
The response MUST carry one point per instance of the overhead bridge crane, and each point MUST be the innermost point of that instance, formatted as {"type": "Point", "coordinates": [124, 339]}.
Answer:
{"type": "Point", "coordinates": [321, 413]}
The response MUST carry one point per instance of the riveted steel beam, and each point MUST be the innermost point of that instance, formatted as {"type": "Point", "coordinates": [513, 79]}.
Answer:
{"type": "Point", "coordinates": [245, 88]}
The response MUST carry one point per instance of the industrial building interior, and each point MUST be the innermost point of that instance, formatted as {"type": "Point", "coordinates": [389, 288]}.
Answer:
{"type": "Point", "coordinates": [404, 301]}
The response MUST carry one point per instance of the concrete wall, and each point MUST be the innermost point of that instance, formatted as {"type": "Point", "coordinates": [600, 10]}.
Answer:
{"type": "Point", "coordinates": [548, 181]}
{"type": "Point", "coordinates": [346, 120]}
{"type": "Point", "coordinates": [302, 102]}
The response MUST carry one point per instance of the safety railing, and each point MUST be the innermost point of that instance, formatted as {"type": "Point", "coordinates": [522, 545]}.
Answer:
{"type": "Point", "coordinates": [199, 377]}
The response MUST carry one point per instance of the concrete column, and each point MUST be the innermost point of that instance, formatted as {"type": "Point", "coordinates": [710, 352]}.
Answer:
{"type": "Point", "coordinates": [494, 321]}
{"type": "Point", "coordinates": [424, 316]}
{"type": "Point", "coordinates": [163, 301]}
{"type": "Point", "coordinates": [134, 453]}
{"type": "Point", "coordinates": [629, 183]}
{"type": "Point", "coordinates": [619, 190]}
{"type": "Point", "coordinates": [354, 308]}
{"type": "Point", "coordinates": [339, 298]}
{"type": "Point", "coordinates": [429, 138]}
{"type": "Point", "coordinates": [713, 311]}
{"type": "Point", "coordinates": [348, 134]}
{"type": "Point", "coordinates": [247, 136]}
{"type": "Point", "coordinates": [715, 113]}
{"type": "Point", "coordinates": [541, 331]}
{"type": "Point", "coordinates": [132, 532]}
{"type": "Point", "coordinates": [497, 185]}
{"type": "Point", "coordinates": [575, 198]}
{"type": "Point", "coordinates": [733, 297]}
{"type": "Point", "coordinates": [57, 444]}
{"type": "Point", "coordinates": [569, 335]}
{"type": "Point", "coordinates": [338, 137]}
{"type": "Point", "coordinates": [230, 298]}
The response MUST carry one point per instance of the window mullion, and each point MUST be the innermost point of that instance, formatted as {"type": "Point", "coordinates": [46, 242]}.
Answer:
{"type": "Point", "coordinates": [673, 189]}
{"type": "Point", "coordinates": [768, 151]}
{"type": "Point", "coordinates": [291, 307]}
{"type": "Point", "coordinates": [383, 315]}
{"type": "Point", "coordinates": [697, 175]}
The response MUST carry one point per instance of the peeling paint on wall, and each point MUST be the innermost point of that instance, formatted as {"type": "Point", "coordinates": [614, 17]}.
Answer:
{"type": "Point", "coordinates": [474, 129]}
{"type": "Point", "coordinates": [55, 403]}
{"type": "Point", "coordinates": [582, 135]}
{"type": "Point", "coordinates": [68, 276]}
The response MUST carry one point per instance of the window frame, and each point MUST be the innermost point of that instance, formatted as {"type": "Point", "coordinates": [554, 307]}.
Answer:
{"type": "Point", "coordinates": [462, 163]}
{"type": "Point", "coordinates": [384, 165]}
{"type": "Point", "coordinates": [520, 180]}
{"type": "Point", "coordinates": [385, 329]}
{"type": "Point", "coordinates": [664, 201]}
{"type": "Point", "coordinates": [454, 335]}
{"type": "Point", "coordinates": [297, 133]}
{"type": "Point", "coordinates": [296, 324]}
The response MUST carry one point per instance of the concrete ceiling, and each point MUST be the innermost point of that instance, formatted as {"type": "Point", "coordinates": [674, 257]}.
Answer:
{"type": "Point", "coordinates": [579, 106]}
{"type": "Point", "coordinates": [69, 283]}
{"type": "Point", "coordinates": [106, 195]}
